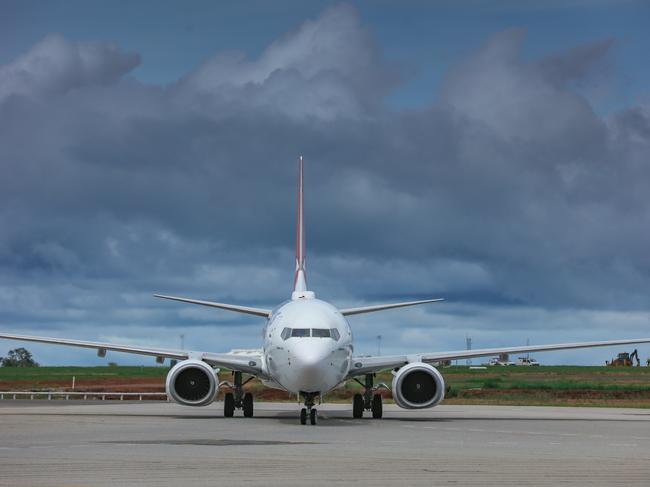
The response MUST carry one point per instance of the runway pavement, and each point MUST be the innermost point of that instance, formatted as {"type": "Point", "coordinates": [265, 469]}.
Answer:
{"type": "Point", "coordinates": [159, 444]}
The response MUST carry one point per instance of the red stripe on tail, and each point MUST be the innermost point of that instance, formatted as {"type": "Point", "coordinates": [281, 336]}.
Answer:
{"type": "Point", "coordinates": [300, 280]}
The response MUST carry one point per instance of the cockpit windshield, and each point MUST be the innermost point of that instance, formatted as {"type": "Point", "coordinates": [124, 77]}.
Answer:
{"type": "Point", "coordinates": [321, 333]}
{"type": "Point", "coordinates": [300, 332]}
{"type": "Point", "coordinates": [310, 332]}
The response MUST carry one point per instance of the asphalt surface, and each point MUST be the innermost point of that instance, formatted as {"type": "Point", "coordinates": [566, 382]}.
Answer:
{"type": "Point", "coordinates": [159, 444]}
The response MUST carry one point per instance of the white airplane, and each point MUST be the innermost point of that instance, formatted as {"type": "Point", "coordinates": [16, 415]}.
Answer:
{"type": "Point", "coordinates": [307, 351]}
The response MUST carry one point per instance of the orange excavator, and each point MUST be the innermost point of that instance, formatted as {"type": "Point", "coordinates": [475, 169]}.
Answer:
{"type": "Point", "coordinates": [625, 359]}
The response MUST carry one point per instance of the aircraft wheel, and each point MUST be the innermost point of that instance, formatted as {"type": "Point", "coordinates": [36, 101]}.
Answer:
{"type": "Point", "coordinates": [228, 405]}
{"type": "Point", "coordinates": [247, 405]}
{"type": "Point", "coordinates": [303, 416]}
{"type": "Point", "coordinates": [377, 406]}
{"type": "Point", "coordinates": [357, 406]}
{"type": "Point", "coordinates": [313, 416]}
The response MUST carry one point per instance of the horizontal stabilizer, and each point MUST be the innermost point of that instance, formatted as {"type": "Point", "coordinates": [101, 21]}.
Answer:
{"type": "Point", "coordinates": [229, 307]}
{"type": "Point", "coordinates": [381, 307]}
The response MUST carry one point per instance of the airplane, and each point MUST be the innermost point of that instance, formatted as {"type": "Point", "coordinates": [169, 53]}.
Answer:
{"type": "Point", "coordinates": [307, 351]}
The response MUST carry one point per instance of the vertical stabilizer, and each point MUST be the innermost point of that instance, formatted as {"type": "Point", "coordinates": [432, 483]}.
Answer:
{"type": "Point", "coordinates": [300, 281]}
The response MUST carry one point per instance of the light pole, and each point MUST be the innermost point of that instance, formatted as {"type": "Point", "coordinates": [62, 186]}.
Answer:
{"type": "Point", "coordinates": [182, 341]}
{"type": "Point", "coordinates": [378, 344]}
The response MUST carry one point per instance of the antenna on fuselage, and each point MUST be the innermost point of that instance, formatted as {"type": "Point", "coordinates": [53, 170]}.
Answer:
{"type": "Point", "coordinates": [300, 280]}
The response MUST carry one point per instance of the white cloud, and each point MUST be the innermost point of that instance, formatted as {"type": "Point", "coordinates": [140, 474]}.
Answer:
{"type": "Point", "coordinates": [56, 65]}
{"type": "Point", "coordinates": [326, 68]}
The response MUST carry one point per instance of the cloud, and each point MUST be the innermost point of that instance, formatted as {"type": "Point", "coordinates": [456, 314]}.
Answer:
{"type": "Point", "coordinates": [56, 65]}
{"type": "Point", "coordinates": [526, 100]}
{"type": "Point", "coordinates": [510, 195]}
{"type": "Point", "coordinates": [575, 63]}
{"type": "Point", "coordinates": [326, 68]}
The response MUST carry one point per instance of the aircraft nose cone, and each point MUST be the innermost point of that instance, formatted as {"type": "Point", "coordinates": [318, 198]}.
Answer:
{"type": "Point", "coordinates": [311, 358]}
{"type": "Point", "coordinates": [311, 365]}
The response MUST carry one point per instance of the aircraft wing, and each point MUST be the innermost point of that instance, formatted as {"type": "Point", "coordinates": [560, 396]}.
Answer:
{"type": "Point", "coordinates": [370, 364]}
{"type": "Point", "coordinates": [244, 363]}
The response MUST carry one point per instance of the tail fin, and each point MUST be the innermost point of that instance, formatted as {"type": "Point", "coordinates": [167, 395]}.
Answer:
{"type": "Point", "coordinates": [300, 281]}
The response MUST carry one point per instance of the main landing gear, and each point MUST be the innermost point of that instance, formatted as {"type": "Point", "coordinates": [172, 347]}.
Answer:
{"type": "Point", "coordinates": [238, 400]}
{"type": "Point", "coordinates": [309, 411]}
{"type": "Point", "coordinates": [370, 400]}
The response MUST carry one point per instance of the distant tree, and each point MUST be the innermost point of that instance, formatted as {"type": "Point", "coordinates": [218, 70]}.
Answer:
{"type": "Point", "coordinates": [19, 357]}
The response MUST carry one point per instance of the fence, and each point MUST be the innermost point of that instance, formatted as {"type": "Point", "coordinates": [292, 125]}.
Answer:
{"type": "Point", "coordinates": [49, 395]}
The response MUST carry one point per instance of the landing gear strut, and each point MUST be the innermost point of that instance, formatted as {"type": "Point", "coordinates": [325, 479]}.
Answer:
{"type": "Point", "coordinates": [370, 400]}
{"type": "Point", "coordinates": [309, 410]}
{"type": "Point", "coordinates": [238, 399]}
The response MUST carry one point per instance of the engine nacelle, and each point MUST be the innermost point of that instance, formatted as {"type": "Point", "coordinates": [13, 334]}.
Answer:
{"type": "Point", "coordinates": [192, 383]}
{"type": "Point", "coordinates": [417, 386]}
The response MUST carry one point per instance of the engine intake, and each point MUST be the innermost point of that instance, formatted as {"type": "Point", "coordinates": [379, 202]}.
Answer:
{"type": "Point", "coordinates": [418, 386]}
{"type": "Point", "coordinates": [192, 383]}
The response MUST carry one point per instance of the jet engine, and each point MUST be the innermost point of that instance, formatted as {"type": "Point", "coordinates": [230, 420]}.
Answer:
{"type": "Point", "coordinates": [192, 383]}
{"type": "Point", "coordinates": [417, 386]}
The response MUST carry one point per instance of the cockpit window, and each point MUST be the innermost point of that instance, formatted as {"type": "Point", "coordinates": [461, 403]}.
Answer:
{"type": "Point", "coordinates": [320, 333]}
{"type": "Point", "coordinates": [313, 332]}
{"type": "Point", "coordinates": [300, 332]}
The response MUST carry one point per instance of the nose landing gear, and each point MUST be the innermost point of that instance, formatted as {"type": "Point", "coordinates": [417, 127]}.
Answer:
{"type": "Point", "coordinates": [370, 400]}
{"type": "Point", "coordinates": [238, 399]}
{"type": "Point", "coordinates": [309, 410]}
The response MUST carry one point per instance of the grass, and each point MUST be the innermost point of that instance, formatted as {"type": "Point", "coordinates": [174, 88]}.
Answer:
{"type": "Point", "coordinates": [546, 385]}
{"type": "Point", "coordinates": [45, 374]}
{"type": "Point", "coordinates": [550, 386]}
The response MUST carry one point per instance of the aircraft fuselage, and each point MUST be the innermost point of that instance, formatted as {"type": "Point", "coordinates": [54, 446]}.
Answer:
{"type": "Point", "coordinates": [307, 346]}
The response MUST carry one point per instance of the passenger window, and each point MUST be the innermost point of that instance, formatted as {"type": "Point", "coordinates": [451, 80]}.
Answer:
{"type": "Point", "coordinates": [286, 333]}
{"type": "Point", "coordinates": [300, 332]}
{"type": "Point", "coordinates": [320, 332]}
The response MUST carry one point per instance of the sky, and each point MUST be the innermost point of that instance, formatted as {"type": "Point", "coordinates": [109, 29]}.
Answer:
{"type": "Point", "coordinates": [491, 153]}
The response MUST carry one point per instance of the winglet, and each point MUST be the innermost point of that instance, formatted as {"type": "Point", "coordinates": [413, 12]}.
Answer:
{"type": "Point", "coordinates": [300, 280]}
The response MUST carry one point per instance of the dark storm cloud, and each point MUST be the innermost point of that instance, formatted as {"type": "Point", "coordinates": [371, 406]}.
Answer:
{"type": "Point", "coordinates": [510, 193]}
{"type": "Point", "coordinates": [575, 63]}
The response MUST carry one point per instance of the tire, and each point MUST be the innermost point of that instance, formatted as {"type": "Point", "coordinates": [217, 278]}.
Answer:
{"type": "Point", "coordinates": [357, 406]}
{"type": "Point", "coordinates": [377, 406]}
{"type": "Point", "coordinates": [228, 405]}
{"type": "Point", "coordinates": [303, 416]}
{"type": "Point", "coordinates": [247, 405]}
{"type": "Point", "coordinates": [313, 416]}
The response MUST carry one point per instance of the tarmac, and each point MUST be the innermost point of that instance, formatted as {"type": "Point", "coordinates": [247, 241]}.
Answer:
{"type": "Point", "coordinates": [69, 443]}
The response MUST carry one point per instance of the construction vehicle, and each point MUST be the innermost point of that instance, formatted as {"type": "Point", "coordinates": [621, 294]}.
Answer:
{"type": "Point", "coordinates": [624, 359]}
